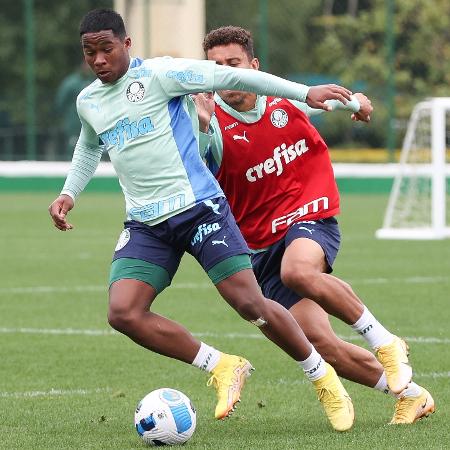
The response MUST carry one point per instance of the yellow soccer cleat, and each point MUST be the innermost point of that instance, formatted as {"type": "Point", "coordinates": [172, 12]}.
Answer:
{"type": "Point", "coordinates": [394, 358]}
{"type": "Point", "coordinates": [228, 377]}
{"type": "Point", "coordinates": [335, 400]}
{"type": "Point", "coordinates": [411, 409]}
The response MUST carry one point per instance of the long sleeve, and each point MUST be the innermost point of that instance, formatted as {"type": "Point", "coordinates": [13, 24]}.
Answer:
{"type": "Point", "coordinates": [180, 76]}
{"type": "Point", "coordinates": [84, 163]}
{"type": "Point", "coordinates": [258, 82]}
{"type": "Point", "coordinates": [85, 160]}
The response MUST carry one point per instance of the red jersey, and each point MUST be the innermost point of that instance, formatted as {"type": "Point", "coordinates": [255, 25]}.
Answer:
{"type": "Point", "coordinates": [275, 172]}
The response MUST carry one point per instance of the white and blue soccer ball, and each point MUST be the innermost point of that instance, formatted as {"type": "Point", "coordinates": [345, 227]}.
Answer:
{"type": "Point", "coordinates": [165, 417]}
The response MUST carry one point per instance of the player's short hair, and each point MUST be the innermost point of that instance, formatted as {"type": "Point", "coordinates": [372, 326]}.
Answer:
{"type": "Point", "coordinates": [230, 35]}
{"type": "Point", "coordinates": [103, 19]}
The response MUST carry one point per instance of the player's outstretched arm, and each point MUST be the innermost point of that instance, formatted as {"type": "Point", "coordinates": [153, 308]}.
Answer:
{"type": "Point", "coordinates": [317, 95]}
{"type": "Point", "coordinates": [263, 83]}
{"type": "Point", "coordinates": [58, 211]}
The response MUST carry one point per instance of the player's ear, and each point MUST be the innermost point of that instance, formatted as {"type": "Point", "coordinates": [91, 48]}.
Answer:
{"type": "Point", "coordinates": [255, 63]}
{"type": "Point", "coordinates": [127, 42]}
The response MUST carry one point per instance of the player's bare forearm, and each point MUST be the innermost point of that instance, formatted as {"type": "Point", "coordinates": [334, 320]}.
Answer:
{"type": "Point", "coordinates": [317, 95]}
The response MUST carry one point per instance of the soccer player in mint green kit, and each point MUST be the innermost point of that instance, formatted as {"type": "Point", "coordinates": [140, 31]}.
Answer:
{"type": "Point", "coordinates": [139, 112]}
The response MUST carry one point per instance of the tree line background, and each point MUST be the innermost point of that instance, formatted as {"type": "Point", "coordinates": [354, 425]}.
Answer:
{"type": "Point", "coordinates": [312, 41]}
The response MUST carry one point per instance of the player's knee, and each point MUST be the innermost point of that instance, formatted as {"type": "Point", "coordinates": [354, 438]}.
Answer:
{"type": "Point", "coordinates": [296, 277]}
{"type": "Point", "coordinates": [347, 287]}
{"type": "Point", "coordinates": [120, 318]}
{"type": "Point", "coordinates": [115, 319]}
{"type": "Point", "coordinates": [250, 309]}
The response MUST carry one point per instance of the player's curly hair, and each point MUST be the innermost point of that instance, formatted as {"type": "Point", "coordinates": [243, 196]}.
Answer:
{"type": "Point", "coordinates": [103, 19]}
{"type": "Point", "coordinates": [230, 35]}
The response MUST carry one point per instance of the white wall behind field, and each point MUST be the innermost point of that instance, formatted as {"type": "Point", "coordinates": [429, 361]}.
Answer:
{"type": "Point", "coordinates": [105, 169]}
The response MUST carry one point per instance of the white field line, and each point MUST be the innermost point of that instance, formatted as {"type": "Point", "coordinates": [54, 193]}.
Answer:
{"type": "Point", "coordinates": [432, 375]}
{"type": "Point", "coordinates": [303, 380]}
{"type": "Point", "coordinates": [73, 392]}
{"type": "Point", "coordinates": [205, 285]}
{"type": "Point", "coordinates": [87, 288]}
{"type": "Point", "coordinates": [415, 339]}
{"type": "Point", "coordinates": [59, 331]}
{"type": "Point", "coordinates": [406, 280]}
{"type": "Point", "coordinates": [111, 332]}
{"type": "Point", "coordinates": [53, 393]}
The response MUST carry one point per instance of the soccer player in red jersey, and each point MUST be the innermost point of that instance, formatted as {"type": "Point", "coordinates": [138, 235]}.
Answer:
{"type": "Point", "coordinates": [275, 170]}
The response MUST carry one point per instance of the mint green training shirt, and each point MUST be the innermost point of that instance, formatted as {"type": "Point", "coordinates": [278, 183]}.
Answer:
{"type": "Point", "coordinates": [149, 127]}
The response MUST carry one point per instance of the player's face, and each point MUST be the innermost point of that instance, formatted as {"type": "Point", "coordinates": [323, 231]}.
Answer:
{"type": "Point", "coordinates": [106, 54]}
{"type": "Point", "coordinates": [234, 55]}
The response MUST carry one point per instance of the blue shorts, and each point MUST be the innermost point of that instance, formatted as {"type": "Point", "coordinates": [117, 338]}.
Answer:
{"type": "Point", "coordinates": [208, 231]}
{"type": "Point", "coordinates": [267, 264]}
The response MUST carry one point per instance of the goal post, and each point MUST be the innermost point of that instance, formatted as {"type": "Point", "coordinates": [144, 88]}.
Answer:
{"type": "Point", "coordinates": [419, 203]}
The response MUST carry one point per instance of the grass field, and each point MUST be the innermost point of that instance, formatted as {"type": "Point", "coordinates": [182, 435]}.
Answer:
{"type": "Point", "coordinates": [67, 381]}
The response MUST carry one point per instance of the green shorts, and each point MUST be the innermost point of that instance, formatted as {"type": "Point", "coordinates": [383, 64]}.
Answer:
{"type": "Point", "coordinates": [159, 278]}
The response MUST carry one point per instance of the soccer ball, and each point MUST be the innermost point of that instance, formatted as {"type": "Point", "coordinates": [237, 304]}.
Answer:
{"type": "Point", "coordinates": [165, 417]}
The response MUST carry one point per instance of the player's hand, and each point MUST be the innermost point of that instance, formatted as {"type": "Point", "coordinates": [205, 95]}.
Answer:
{"type": "Point", "coordinates": [58, 211]}
{"type": "Point", "coordinates": [365, 109]}
{"type": "Point", "coordinates": [204, 102]}
{"type": "Point", "coordinates": [317, 95]}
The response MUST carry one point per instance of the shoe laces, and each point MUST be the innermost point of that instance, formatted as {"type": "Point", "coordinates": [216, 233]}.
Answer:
{"type": "Point", "coordinates": [218, 382]}
{"type": "Point", "coordinates": [332, 400]}
{"type": "Point", "coordinates": [212, 380]}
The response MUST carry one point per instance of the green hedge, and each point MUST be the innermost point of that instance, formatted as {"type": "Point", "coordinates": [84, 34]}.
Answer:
{"type": "Point", "coordinates": [100, 184]}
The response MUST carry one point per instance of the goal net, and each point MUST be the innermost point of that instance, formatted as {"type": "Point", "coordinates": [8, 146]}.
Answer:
{"type": "Point", "coordinates": [419, 203]}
